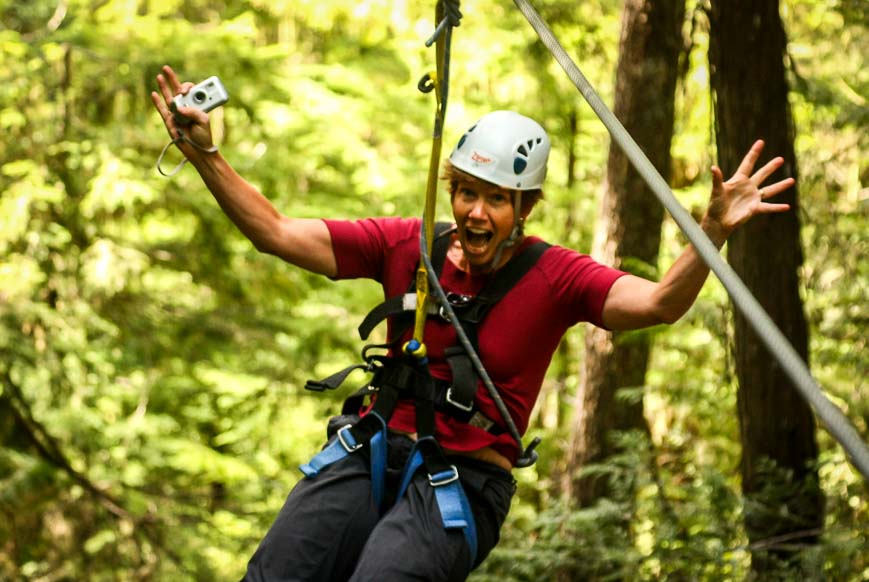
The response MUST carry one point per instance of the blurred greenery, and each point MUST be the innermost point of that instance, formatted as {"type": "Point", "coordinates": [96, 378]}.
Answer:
{"type": "Point", "coordinates": [152, 414]}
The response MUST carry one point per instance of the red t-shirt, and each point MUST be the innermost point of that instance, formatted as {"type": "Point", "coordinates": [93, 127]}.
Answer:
{"type": "Point", "coordinates": [517, 337]}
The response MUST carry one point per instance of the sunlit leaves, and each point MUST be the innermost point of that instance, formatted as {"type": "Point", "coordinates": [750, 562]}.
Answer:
{"type": "Point", "coordinates": [167, 358]}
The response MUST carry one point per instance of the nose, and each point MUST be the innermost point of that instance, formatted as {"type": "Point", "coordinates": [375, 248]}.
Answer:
{"type": "Point", "coordinates": [478, 209]}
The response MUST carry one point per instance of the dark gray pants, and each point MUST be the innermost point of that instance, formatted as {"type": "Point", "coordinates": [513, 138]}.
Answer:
{"type": "Point", "coordinates": [329, 529]}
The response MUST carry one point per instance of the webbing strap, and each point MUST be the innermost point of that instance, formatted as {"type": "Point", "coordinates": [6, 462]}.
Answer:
{"type": "Point", "coordinates": [345, 444]}
{"type": "Point", "coordinates": [452, 501]}
{"type": "Point", "coordinates": [447, 16]}
{"type": "Point", "coordinates": [836, 422]}
{"type": "Point", "coordinates": [527, 455]}
{"type": "Point", "coordinates": [396, 306]}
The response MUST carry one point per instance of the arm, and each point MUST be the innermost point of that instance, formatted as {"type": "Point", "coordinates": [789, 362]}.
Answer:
{"type": "Point", "coordinates": [302, 242]}
{"type": "Point", "coordinates": [634, 302]}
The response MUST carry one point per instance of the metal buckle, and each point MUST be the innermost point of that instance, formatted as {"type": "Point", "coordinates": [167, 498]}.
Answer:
{"type": "Point", "coordinates": [459, 300]}
{"type": "Point", "coordinates": [455, 300]}
{"type": "Point", "coordinates": [445, 481]}
{"type": "Point", "coordinates": [459, 405]}
{"type": "Point", "coordinates": [347, 447]}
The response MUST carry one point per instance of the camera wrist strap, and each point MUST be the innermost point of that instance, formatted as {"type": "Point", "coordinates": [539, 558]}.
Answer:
{"type": "Point", "coordinates": [181, 137]}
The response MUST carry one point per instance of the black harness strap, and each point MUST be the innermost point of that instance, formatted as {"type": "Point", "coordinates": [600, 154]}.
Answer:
{"type": "Point", "coordinates": [397, 378]}
{"type": "Point", "coordinates": [458, 399]}
{"type": "Point", "coordinates": [465, 378]}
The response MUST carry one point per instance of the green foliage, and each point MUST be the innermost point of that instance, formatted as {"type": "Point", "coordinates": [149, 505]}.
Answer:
{"type": "Point", "coordinates": [152, 363]}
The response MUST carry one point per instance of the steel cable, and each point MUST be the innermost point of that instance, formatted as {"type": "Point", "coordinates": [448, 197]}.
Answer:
{"type": "Point", "coordinates": [835, 421]}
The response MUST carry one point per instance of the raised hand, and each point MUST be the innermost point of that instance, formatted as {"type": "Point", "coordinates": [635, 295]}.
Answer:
{"type": "Point", "coordinates": [735, 201]}
{"type": "Point", "coordinates": [198, 130]}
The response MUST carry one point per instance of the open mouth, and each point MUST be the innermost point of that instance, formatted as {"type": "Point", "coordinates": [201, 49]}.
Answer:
{"type": "Point", "coordinates": [478, 238]}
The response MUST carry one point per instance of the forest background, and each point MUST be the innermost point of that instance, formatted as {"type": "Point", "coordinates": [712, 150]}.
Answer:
{"type": "Point", "coordinates": [152, 363]}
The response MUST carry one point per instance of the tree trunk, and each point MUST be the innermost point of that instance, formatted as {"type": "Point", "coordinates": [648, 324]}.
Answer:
{"type": "Point", "coordinates": [777, 429]}
{"type": "Point", "coordinates": [629, 232]}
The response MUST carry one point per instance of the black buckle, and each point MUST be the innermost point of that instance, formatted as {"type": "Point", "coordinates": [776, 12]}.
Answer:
{"type": "Point", "coordinates": [456, 301]}
{"type": "Point", "coordinates": [456, 403]}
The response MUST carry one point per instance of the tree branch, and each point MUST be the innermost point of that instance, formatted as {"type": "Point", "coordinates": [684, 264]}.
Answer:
{"type": "Point", "coordinates": [48, 448]}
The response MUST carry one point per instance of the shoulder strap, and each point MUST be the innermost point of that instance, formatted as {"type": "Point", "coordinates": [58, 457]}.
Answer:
{"type": "Point", "coordinates": [465, 379]}
{"type": "Point", "coordinates": [501, 282]}
{"type": "Point", "coordinates": [439, 247]}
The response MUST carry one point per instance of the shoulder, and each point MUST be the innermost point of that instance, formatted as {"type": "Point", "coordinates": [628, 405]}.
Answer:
{"type": "Point", "coordinates": [370, 246]}
{"type": "Point", "coordinates": [577, 282]}
{"type": "Point", "coordinates": [567, 265]}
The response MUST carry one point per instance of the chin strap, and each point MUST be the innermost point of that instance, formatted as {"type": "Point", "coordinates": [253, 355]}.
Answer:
{"type": "Point", "coordinates": [515, 234]}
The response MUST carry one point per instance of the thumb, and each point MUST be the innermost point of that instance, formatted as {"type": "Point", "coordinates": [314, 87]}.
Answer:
{"type": "Point", "coordinates": [717, 179]}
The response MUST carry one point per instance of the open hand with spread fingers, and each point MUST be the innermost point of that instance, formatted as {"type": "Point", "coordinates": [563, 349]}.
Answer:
{"type": "Point", "coordinates": [735, 201]}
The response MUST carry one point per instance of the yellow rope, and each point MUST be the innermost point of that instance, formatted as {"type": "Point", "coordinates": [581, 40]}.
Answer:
{"type": "Point", "coordinates": [417, 346]}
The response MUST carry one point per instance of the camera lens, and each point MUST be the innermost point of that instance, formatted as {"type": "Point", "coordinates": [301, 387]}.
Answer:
{"type": "Point", "coordinates": [200, 97]}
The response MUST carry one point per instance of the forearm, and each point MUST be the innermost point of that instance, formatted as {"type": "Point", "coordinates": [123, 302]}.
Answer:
{"type": "Point", "coordinates": [249, 210]}
{"type": "Point", "coordinates": [681, 284]}
{"type": "Point", "coordinates": [634, 302]}
{"type": "Point", "coordinates": [306, 243]}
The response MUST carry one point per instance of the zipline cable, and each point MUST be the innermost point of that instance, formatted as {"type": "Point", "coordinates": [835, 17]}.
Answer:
{"type": "Point", "coordinates": [836, 422]}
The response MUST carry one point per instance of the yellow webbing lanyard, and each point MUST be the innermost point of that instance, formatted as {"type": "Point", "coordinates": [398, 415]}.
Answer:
{"type": "Point", "coordinates": [417, 346]}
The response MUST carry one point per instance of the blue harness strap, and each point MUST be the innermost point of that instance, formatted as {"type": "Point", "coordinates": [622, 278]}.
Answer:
{"type": "Point", "coordinates": [344, 444]}
{"type": "Point", "coordinates": [451, 499]}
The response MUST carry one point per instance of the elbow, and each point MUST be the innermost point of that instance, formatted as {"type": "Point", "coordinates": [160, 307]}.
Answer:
{"type": "Point", "coordinates": [669, 318]}
{"type": "Point", "coordinates": [667, 314]}
{"type": "Point", "coordinates": [271, 238]}
{"type": "Point", "coordinates": [264, 246]}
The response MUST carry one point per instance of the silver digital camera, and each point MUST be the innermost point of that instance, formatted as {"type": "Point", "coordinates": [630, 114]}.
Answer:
{"type": "Point", "coordinates": [207, 95]}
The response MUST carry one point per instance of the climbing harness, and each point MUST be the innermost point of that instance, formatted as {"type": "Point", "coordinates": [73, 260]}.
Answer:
{"type": "Point", "coordinates": [403, 377]}
{"type": "Point", "coordinates": [835, 421]}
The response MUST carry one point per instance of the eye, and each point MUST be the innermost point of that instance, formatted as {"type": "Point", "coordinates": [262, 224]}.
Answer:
{"type": "Point", "coordinates": [499, 198]}
{"type": "Point", "coordinates": [467, 194]}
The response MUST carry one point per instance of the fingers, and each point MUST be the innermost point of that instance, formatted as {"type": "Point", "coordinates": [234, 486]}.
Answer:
{"type": "Point", "coordinates": [173, 79]}
{"type": "Point", "coordinates": [165, 90]}
{"type": "Point", "coordinates": [747, 165]}
{"type": "Point", "coordinates": [170, 86]}
{"type": "Point", "coordinates": [717, 176]}
{"type": "Point", "coordinates": [778, 187]}
{"type": "Point", "coordinates": [767, 208]}
{"type": "Point", "coordinates": [194, 115]}
{"type": "Point", "coordinates": [767, 170]}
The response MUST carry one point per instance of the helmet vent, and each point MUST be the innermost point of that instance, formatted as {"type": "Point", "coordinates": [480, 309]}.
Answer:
{"type": "Point", "coordinates": [519, 165]}
{"type": "Point", "coordinates": [464, 137]}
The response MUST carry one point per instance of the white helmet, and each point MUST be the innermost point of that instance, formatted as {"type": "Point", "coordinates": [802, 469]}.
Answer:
{"type": "Point", "coordinates": [506, 149]}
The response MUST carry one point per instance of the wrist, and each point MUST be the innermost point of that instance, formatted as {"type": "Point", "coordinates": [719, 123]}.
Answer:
{"type": "Point", "coordinates": [716, 232]}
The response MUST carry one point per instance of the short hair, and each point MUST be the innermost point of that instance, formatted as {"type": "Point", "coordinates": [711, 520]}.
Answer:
{"type": "Point", "coordinates": [452, 175]}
